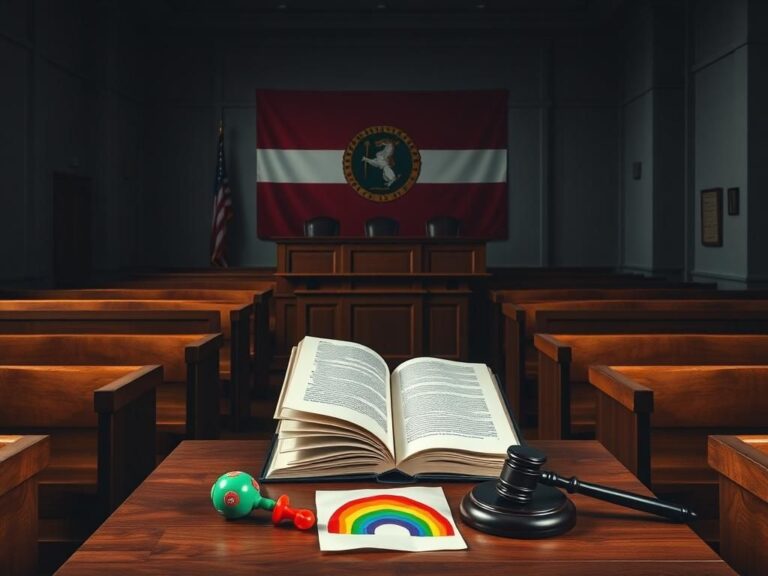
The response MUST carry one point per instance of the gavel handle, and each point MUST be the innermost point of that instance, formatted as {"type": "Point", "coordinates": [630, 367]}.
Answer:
{"type": "Point", "coordinates": [620, 497]}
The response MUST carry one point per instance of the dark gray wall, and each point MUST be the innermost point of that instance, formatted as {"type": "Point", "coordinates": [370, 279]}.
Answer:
{"type": "Point", "coordinates": [563, 118]}
{"type": "Point", "coordinates": [720, 79]}
{"type": "Point", "coordinates": [130, 94]}
{"type": "Point", "coordinates": [71, 101]}
{"type": "Point", "coordinates": [731, 140]}
{"type": "Point", "coordinates": [654, 137]}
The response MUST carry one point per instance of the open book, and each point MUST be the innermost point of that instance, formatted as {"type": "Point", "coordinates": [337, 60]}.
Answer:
{"type": "Point", "coordinates": [342, 414]}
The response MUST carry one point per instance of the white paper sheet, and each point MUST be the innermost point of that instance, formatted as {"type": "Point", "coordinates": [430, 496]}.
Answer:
{"type": "Point", "coordinates": [412, 519]}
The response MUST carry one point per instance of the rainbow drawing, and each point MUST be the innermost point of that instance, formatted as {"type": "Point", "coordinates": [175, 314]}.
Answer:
{"type": "Point", "coordinates": [364, 515]}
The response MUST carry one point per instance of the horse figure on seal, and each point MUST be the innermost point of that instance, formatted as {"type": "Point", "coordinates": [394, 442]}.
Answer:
{"type": "Point", "coordinates": [384, 160]}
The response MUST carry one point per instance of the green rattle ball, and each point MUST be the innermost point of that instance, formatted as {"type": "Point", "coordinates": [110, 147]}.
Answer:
{"type": "Point", "coordinates": [236, 494]}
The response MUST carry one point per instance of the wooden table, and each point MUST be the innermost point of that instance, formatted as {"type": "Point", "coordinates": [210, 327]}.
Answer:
{"type": "Point", "coordinates": [169, 526]}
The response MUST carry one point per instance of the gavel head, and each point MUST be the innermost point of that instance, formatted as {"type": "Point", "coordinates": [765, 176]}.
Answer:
{"type": "Point", "coordinates": [520, 474]}
{"type": "Point", "coordinates": [235, 494]}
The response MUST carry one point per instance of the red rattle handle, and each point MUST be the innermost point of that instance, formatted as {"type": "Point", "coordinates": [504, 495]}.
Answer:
{"type": "Point", "coordinates": [303, 519]}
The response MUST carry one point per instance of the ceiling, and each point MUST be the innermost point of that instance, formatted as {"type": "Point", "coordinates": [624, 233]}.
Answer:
{"type": "Point", "coordinates": [557, 9]}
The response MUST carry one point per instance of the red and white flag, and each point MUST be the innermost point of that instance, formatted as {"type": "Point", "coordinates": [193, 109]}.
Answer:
{"type": "Point", "coordinates": [358, 155]}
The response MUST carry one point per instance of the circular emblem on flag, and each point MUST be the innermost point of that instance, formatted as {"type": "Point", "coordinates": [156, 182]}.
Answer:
{"type": "Point", "coordinates": [381, 163]}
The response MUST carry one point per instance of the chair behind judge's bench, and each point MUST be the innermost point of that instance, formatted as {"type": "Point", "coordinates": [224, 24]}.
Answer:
{"type": "Point", "coordinates": [321, 226]}
{"type": "Point", "coordinates": [381, 226]}
{"type": "Point", "coordinates": [446, 226]}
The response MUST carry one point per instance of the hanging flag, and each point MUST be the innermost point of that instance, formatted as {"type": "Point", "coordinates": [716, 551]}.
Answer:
{"type": "Point", "coordinates": [222, 206]}
{"type": "Point", "coordinates": [358, 155]}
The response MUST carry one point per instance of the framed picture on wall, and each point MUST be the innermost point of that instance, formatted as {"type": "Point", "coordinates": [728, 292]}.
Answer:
{"type": "Point", "coordinates": [733, 201]}
{"type": "Point", "coordinates": [712, 217]}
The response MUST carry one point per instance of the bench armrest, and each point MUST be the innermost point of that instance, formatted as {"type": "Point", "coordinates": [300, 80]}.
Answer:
{"type": "Point", "coordinates": [202, 358]}
{"type": "Point", "coordinates": [206, 347]}
{"type": "Point", "coordinates": [552, 347]}
{"type": "Point", "coordinates": [633, 396]}
{"type": "Point", "coordinates": [121, 392]}
{"type": "Point", "coordinates": [127, 429]}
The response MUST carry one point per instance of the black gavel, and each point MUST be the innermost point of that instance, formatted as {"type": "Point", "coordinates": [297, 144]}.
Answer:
{"type": "Point", "coordinates": [524, 501]}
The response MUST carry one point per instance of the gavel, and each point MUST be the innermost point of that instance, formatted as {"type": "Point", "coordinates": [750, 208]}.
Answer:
{"type": "Point", "coordinates": [525, 503]}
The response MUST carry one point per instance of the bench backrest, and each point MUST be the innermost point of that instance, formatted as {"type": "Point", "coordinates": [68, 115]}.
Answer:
{"type": "Point", "coordinates": [522, 296]}
{"type": "Point", "coordinates": [115, 321]}
{"type": "Point", "coordinates": [203, 307]}
{"type": "Point", "coordinates": [661, 315]}
{"type": "Point", "coordinates": [189, 397]}
{"type": "Point", "coordinates": [567, 402]}
{"type": "Point", "coordinates": [662, 349]}
{"type": "Point", "coordinates": [205, 281]}
{"type": "Point", "coordinates": [100, 349]}
{"type": "Point", "coordinates": [53, 396]}
{"type": "Point", "coordinates": [225, 295]}
{"type": "Point", "coordinates": [702, 396]}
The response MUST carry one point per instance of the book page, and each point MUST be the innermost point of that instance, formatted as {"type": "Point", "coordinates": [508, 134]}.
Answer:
{"type": "Point", "coordinates": [453, 406]}
{"type": "Point", "coordinates": [341, 380]}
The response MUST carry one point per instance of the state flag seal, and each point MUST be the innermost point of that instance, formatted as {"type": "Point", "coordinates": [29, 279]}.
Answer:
{"type": "Point", "coordinates": [381, 163]}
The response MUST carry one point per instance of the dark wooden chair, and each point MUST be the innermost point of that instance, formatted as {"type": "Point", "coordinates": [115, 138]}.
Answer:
{"type": "Point", "coordinates": [321, 226]}
{"type": "Point", "coordinates": [442, 226]}
{"type": "Point", "coordinates": [381, 226]}
{"type": "Point", "coordinates": [22, 458]}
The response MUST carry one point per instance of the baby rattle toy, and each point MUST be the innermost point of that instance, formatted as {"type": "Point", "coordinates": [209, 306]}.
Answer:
{"type": "Point", "coordinates": [236, 494]}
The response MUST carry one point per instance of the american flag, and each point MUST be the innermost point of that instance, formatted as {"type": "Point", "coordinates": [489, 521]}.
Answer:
{"type": "Point", "coordinates": [222, 206]}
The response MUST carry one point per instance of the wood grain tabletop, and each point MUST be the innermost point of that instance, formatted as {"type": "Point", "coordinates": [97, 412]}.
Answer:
{"type": "Point", "coordinates": [168, 526]}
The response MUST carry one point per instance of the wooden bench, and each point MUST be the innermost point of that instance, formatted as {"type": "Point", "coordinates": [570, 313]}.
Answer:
{"type": "Point", "coordinates": [637, 316]}
{"type": "Point", "coordinates": [187, 400]}
{"type": "Point", "coordinates": [259, 279]}
{"type": "Point", "coordinates": [567, 402]}
{"type": "Point", "coordinates": [260, 298]}
{"type": "Point", "coordinates": [22, 458]}
{"type": "Point", "coordinates": [656, 419]}
{"type": "Point", "coordinates": [148, 317]}
{"type": "Point", "coordinates": [499, 297]}
{"type": "Point", "coordinates": [101, 423]}
{"type": "Point", "coordinates": [203, 277]}
{"type": "Point", "coordinates": [742, 466]}
{"type": "Point", "coordinates": [555, 277]}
